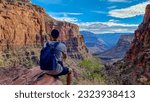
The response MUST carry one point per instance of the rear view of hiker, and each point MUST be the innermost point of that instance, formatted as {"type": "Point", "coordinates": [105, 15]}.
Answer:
{"type": "Point", "coordinates": [52, 57]}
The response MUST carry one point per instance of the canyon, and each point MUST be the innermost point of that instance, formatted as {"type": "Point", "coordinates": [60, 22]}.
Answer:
{"type": "Point", "coordinates": [118, 51]}
{"type": "Point", "coordinates": [24, 28]}
{"type": "Point", "coordinates": [93, 43]}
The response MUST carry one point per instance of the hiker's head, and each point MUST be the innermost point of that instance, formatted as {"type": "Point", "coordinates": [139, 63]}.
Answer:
{"type": "Point", "coordinates": [55, 34]}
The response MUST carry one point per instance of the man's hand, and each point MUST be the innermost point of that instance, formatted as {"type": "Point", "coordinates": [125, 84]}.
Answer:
{"type": "Point", "coordinates": [64, 56]}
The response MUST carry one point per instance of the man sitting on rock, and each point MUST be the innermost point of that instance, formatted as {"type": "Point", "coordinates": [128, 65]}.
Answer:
{"type": "Point", "coordinates": [61, 55]}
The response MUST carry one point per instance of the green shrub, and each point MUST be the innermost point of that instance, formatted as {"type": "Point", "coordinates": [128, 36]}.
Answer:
{"type": "Point", "coordinates": [92, 70]}
{"type": "Point", "coordinates": [1, 63]}
{"type": "Point", "coordinates": [25, 56]}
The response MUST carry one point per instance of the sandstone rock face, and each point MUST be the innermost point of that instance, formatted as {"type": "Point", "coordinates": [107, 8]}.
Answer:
{"type": "Point", "coordinates": [147, 14]}
{"type": "Point", "coordinates": [23, 76]}
{"type": "Point", "coordinates": [135, 67]}
{"type": "Point", "coordinates": [26, 24]}
{"type": "Point", "coordinates": [23, 24]}
{"type": "Point", "coordinates": [19, 25]}
{"type": "Point", "coordinates": [141, 41]}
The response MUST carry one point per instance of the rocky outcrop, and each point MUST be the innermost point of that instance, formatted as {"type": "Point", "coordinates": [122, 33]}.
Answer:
{"type": "Point", "coordinates": [118, 51]}
{"type": "Point", "coordinates": [135, 67]}
{"type": "Point", "coordinates": [27, 24]}
{"type": "Point", "coordinates": [141, 42]}
{"type": "Point", "coordinates": [23, 76]}
{"type": "Point", "coordinates": [24, 28]}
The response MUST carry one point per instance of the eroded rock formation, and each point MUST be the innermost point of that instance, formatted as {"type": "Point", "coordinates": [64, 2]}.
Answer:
{"type": "Point", "coordinates": [135, 67]}
{"type": "Point", "coordinates": [27, 24]}
{"type": "Point", "coordinates": [24, 24]}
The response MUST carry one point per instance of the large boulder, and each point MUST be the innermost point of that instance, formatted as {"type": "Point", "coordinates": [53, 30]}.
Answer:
{"type": "Point", "coordinates": [23, 76]}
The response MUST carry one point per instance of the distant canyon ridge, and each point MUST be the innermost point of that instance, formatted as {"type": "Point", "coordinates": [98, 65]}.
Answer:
{"type": "Point", "coordinates": [108, 47]}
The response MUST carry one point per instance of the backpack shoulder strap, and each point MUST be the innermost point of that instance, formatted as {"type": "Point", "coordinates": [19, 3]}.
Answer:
{"type": "Point", "coordinates": [47, 44]}
{"type": "Point", "coordinates": [56, 44]}
{"type": "Point", "coordinates": [52, 45]}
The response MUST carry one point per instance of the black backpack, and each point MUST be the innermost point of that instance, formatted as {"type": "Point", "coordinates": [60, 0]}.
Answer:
{"type": "Point", "coordinates": [48, 60]}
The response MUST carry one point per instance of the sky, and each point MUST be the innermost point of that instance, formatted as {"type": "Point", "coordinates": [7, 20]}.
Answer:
{"type": "Point", "coordinates": [98, 16]}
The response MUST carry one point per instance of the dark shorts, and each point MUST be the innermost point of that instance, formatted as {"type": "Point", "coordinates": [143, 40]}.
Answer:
{"type": "Point", "coordinates": [64, 72]}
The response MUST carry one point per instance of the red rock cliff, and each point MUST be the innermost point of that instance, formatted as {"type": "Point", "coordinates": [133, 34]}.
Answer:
{"type": "Point", "coordinates": [141, 44]}
{"type": "Point", "coordinates": [24, 24]}
{"type": "Point", "coordinates": [135, 67]}
{"type": "Point", "coordinates": [23, 76]}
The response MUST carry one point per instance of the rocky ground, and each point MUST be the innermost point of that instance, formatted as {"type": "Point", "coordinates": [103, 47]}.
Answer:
{"type": "Point", "coordinates": [23, 76]}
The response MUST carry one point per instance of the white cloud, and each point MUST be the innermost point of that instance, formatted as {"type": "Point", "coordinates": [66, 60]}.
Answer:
{"type": "Point", "coordinates": [112, 7]}
{"type": "Point", "coordinates": [108, 27]}
{"type": "Point", "coordinates": [74, 13]}
{"type": "Point", "coordinates": [64, 16]}
{"type": "Point", "coordinates": [99, 12]}
{"type": "Point", "coordinates": [113, 20]}
{"type": "Point", "coordinates": [131, 11]}
{"type": "Point", "coordinates": [112, 26]}
{"type": "Point", "coordinates": [67, 19]}
{"type": "Point", "coordinates": [65, 13]}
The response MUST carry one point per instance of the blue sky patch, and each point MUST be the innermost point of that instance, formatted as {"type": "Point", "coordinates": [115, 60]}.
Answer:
{"type": "Point", "coordinates": [98, 16]}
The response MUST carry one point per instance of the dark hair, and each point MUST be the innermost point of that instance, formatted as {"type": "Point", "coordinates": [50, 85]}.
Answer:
{"type": "Point", "coordinates": [55, 33]}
